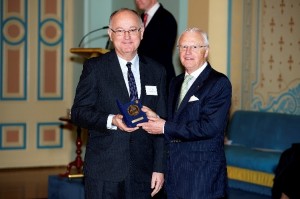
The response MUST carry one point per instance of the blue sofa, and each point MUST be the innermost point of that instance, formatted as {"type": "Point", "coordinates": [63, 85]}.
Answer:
{"type": "Point", "coordinates": [256, 141]}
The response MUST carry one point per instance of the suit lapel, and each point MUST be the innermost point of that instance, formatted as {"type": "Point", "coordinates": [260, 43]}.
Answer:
{"type": "Point", "coordinates": [116, 75]}
{"type": "Point", "coordinates": [176, 92]}
{"type": "Point", "coordinates": [144, 77]}
{"type": "Point", "coordinates": [175, 87]}
{"type": "Point", "coordinates": [155, 19]}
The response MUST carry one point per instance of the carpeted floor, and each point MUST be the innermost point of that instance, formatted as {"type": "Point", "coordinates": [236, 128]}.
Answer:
{"type": "Point", "coordinates": [239, 194]}
{"type": "Point", "coordinates": [33, 183]}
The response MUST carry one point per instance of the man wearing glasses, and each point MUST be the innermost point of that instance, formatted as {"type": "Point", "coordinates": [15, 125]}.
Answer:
{"type": "Point", "coordinates": [198, 108]}
{"type": "Point", "coordinates": [120, 162]}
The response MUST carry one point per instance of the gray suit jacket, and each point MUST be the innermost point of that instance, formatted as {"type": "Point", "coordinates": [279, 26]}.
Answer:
{"type": "Point", "coordinates": [110, 154]}
{"type": "Point", "coordinates": [195, 132]}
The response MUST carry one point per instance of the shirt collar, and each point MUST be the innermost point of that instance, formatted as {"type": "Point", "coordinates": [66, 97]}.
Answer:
{"type": "Point", "coordinates": [134, 62]}
{"type": "Point", "coordinates": [197, 72]}
{"type": "Point", "coordinates": [152, 10]}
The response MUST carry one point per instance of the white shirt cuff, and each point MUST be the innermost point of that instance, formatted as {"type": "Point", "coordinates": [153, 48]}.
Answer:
{"type": "Point", "coordinates": [109, 124]}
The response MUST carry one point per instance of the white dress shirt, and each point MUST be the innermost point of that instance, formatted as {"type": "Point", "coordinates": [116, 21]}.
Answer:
{"type": "Point", "coordinates": [136, 73]}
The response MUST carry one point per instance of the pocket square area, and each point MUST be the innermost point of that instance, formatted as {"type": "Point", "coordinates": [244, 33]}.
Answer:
{"type": "Point", "coordinates": [193, 98]}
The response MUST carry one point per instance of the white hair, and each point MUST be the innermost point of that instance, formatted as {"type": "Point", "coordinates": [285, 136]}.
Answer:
{"type": "Point", "coordinates": [198, 30]}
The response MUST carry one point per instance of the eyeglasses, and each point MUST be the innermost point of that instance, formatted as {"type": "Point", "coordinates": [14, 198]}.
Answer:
{"type": "Point", "coordinates": [194, 48]}
{"type": "Point", "coordinates": [121, 32]}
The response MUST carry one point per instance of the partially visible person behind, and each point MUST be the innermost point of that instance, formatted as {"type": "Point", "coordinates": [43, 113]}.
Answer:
{"type": "Point", "coordinates": [160, 34]}
{"type": "Point", "coordinates": [287, 174]}
{"type": "Point", "coordinates": [198, 111]}
{"type": "Point", "coordinates": [120, 162]}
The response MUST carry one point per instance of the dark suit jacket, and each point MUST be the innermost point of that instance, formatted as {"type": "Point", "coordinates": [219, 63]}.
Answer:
{"type": "Point", "coordinates": [195, 132]}
{"type": "Point", "coordinates": [111, 154]}
{"type": "Point", "coordinates": [159, 39]}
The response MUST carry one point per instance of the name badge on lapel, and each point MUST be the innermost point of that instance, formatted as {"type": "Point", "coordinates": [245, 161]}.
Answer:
{"type": "Point", "coordinates": [151, 90]}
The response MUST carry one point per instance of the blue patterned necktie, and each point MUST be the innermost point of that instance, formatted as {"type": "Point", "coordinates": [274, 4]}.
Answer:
{"type": "Point", "coordinates": [131, 82]}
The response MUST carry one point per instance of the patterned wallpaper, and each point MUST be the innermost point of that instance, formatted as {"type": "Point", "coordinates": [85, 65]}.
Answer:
{"type": "Point", "coordinates": [270, 73]}
{"type": "Point", "coordinates": [277, 87]}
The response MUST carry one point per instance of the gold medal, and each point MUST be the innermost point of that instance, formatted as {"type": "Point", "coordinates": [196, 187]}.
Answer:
{"type": "Point", "coordinates": [133, 110]}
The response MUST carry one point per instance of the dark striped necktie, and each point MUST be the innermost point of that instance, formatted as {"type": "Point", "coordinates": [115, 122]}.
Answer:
{"type": "Point", "coordinates": [131, 82]}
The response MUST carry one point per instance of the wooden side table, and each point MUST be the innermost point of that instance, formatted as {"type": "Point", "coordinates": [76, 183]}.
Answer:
{"type": "Point", "coordinates": [78, 162]}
